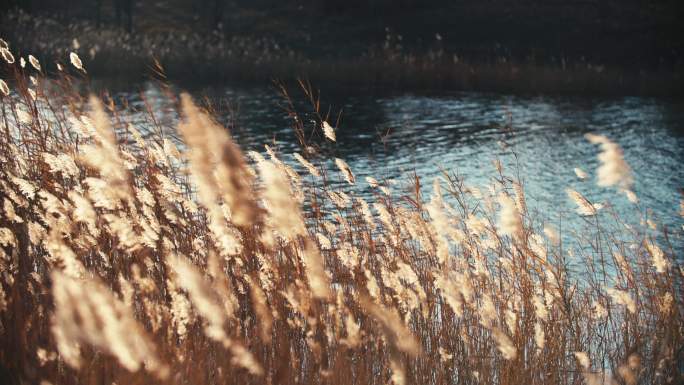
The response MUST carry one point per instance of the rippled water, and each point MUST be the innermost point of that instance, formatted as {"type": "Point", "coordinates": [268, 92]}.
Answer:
{"type": "Point", "coordinates": [393, 136]}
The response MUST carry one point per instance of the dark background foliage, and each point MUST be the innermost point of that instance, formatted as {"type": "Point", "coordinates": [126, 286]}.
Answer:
{"type": "Point", "coordinates": [625, 33]}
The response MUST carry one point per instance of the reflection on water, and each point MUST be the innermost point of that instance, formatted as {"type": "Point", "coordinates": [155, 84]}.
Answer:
{"type": "Point", "coordinates": [390, 137]}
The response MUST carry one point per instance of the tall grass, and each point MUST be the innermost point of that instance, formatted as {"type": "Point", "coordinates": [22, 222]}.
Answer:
{"type": "Point", "coordinates": [155, 254]}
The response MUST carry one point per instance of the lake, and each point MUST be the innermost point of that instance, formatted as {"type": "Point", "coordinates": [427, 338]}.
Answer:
{"type": "Point", "coordinates": [393, 136]}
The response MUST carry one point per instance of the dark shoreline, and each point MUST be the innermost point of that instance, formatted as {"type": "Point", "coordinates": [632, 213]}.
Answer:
{"type": "Point", "coordinates": [391, 77]}
{"type": "Point", "coordinates": [200, 58]}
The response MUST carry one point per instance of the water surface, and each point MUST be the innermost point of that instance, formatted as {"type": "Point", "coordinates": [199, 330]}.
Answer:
{"type": "Point", "coordinates": [541, 139]}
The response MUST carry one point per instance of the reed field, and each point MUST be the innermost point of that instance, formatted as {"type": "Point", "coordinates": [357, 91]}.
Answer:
{"type": "Point", "coordinates": [141, 253]}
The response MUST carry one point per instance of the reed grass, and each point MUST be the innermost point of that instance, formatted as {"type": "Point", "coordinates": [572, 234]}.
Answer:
{"type": "Point", "coordinates": [139, 254]}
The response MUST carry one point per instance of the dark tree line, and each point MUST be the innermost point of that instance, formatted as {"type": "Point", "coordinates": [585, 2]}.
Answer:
{"type": "Point", "coordinates": [122, 12]}
{"type": "Point", "coordinates": [95, 9]}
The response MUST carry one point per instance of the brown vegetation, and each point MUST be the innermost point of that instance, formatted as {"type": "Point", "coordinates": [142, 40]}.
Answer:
{"type": "Point", "coordinates": [130, 256]}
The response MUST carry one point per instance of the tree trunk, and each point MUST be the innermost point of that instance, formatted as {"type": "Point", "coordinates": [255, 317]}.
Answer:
{"type": "Point", "coordinates": [219, 6]}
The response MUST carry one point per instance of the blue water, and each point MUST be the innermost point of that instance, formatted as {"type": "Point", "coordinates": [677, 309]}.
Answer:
{"type": "Point", "coordinates": [391, 137]}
